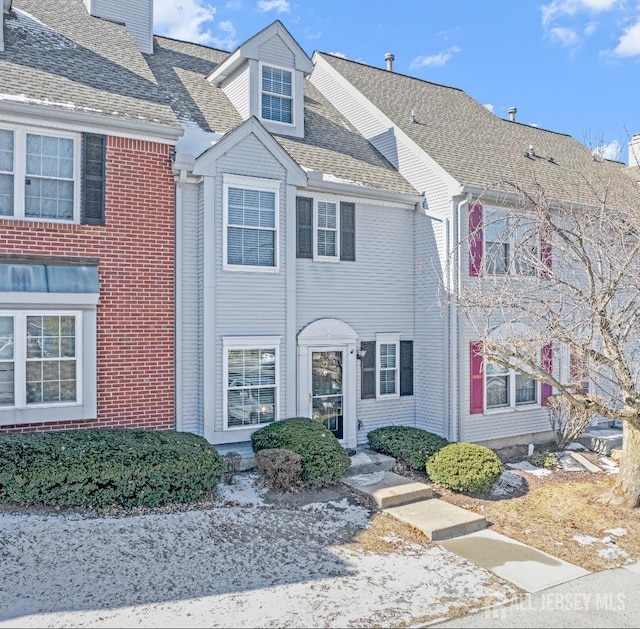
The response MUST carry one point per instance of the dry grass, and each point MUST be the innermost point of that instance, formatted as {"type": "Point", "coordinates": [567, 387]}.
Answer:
{"type": "Point", "coordinates": [386, 535]}
{"type": "Point", "coordinates": [556, 510]}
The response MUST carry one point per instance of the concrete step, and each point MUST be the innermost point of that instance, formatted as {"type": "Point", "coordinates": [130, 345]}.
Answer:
{"type": "Point", "coordinates": [601, 440]}
{"type": "Point", "coordinates": [389, 489]}
{"type": "Point", "coordinates": [439, 520]}
{"type": "Point", "coordinates": [366, 461]}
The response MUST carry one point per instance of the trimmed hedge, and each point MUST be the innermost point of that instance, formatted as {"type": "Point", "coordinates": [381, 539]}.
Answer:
{"type": "Point", "coordinates": [100, 468]}
{"type": "Point", "coordinates": [465, 467]}
{"type": "Point", "coordinates": [324, 460]}
{"type": "Point", "coordinates": [411, 446]}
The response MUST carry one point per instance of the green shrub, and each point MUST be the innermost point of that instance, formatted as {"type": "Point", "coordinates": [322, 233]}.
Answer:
{"type": "Point", "coordinates": [99, 468]}
{"type": "Point", "coordinates": [544, 459]}
{"type": "Point", "coordinates": [280, 469]}
{"type": "Point", "coordinates": [465, 467]}
{"type": "Point", "coordinates": [411, 446]}
{"type": "Point", "coordinates": [324, 460]}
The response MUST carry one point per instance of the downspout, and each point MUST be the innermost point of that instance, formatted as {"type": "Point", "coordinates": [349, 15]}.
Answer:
{"type": "Point", "coordinates": [179, 184]}
{"type": "Point", "coordinates": [454, 321]}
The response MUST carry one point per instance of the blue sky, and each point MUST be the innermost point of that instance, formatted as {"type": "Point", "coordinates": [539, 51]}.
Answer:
{"type": "Point", "coordinates": [568, 65]}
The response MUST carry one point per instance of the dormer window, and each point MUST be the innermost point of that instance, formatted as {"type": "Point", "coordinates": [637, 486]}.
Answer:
{"type": "Point", "coordinates": [277, 94]}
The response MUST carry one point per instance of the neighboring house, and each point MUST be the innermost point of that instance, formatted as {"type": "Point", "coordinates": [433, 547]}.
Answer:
{"type": "Point", "coordinates": [470, 165]}
{"type": "Point", "coordinates": [230, 239]}
{"type": "Point", "coordinates": [86, 224]}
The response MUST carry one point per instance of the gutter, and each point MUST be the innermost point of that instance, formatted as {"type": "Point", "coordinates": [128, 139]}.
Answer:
{"type": "Point", "coordinates": [78, 120]}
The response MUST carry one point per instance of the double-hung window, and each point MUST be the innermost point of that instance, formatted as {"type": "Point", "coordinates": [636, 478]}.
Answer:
{"type": "Point", "coordinates": [326, 231]}
{"type": "Point", "coordinates": [507, 388]}
{"type": "Point", "coordinates": [39, 175]}
{"type": "Point", "coordinates": [40, 355]}
{"type": "Point", "coordinates": [388, 367]}
{"type": "Point", "coordinates": [277, 94]}
{"type": "Point", "coordinates": [250, 381]}
{"type": "Point", "coordinates": [251, 217]}
{"type": "Point", "coordinates": [510, 246]}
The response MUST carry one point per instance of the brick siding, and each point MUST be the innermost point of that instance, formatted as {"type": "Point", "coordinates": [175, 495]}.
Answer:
{"type": "Point", "coordinates": [135, 315]}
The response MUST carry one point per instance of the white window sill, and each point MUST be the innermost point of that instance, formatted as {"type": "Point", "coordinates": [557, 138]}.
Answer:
{"type": "Point", "coordinates": [247, 427]}
{"type": "Point", "coordinates": [510, 409]}
{"type": "Point", "coordinates": [250, 269]}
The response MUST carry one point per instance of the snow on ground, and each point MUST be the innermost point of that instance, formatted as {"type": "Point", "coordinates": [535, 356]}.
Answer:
{"type": "Point", "coordinates": [610, 550]}
{"type": "Point", "coordinates": [508, 484]}
{"type": "Point", "coordinates": [529, 468]}
{"type": "Point", "coordinates": [226, 566]}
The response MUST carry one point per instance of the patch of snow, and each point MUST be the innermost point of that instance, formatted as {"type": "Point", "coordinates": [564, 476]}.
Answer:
{"type": "Point", "coordinates": [354, 514]}
{"type": "Point", "coordinates": [243, 493]}
{"type": "Point", "coordinates": [586, 540]}
{"type": "Point", "coordinates": [360, 458]}
{"type": "Point", "coordinates": [619, 532]}
{"type": "Point", "coordinates": [529, 468]}
{"type": "Point", "coordinates": [335, 179]}
{"type": "Point", "coordinates": [22, 98]}
{"type": "Point", "coordinates": [508, 484]}
{"type": "Point", "coordinates": [612, 552]}
{"type": "Point", "coordinates": [364, 480]}
{"type": "Point", "coordinates": [195, 140]}
{"type": "Point", "coordinates": [38, 34]}
{"type": "Point", "coordinates": [574, 445]}
{"type": "Point", "coordinates": [609, 465]}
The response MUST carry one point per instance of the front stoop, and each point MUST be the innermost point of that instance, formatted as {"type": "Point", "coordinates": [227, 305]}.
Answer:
{"type": "Point", "coordinates": [366, 461]}
{"type": "Point", "coordinates": [601, 440]}
{"type": "Point", "coordinates": [389, 489]}
{"type": "Point", "coordinates": [439, 520]}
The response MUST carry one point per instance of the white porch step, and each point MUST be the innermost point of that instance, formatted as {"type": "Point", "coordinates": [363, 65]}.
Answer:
{"type": "Point", "coordinates": [389, 489]}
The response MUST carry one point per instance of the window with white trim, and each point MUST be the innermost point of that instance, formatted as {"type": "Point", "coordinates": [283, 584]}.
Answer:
{"type": "Point", "coordinates": [40, 358]}
{"type": "Point", "coordinates": [251, 368]}
{"type": "Point", "coordinates": [388, 366]}
{"type": "Point", "coordinates": [509, 248]}
{"type": "Point", "coordinates": [506, 387]}
{"type": "Point", "coordinates": [39, 175]}
{"type": "Point", "coordinates": [251, 217]}
{"type": "Point", "coordinates": [277, 94]}
{"type": "Point", "coordinates": [326, 230]}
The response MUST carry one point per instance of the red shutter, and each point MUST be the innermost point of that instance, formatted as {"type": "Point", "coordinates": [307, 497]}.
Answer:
{"type": "Point", "coordinates": [547, 364]}
{"type": "Point", "coordinates": [545, 253]}
{"type": "Point", "coordinates": [477, 378]}
{"type": "Point", "coordinates": [475, 239]}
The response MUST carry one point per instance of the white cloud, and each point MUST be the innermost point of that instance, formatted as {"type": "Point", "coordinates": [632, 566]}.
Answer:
{"type": "Point", "coordinates": [339, 54]}
{"type": "Point", "coordinates": [185, 20]}
{"type": "Point", "coordinates": [435, 60]}
{"type": "Point", "coordinates": [566, 36]}
{"type": "Point", "coordinates": [489, 106]}
{"type": "Point", "coordinates": [310, 33]}
{"type": "Point", "coordinates": [227, 39]}
{"type": "Point", "coordinates": [558, 8]}
{"type": "Point", "coordinates": [280, 6]}
{"type": "Point", "coordinates": [629, 42]}
{"type": "Point", "coordinates": [612, 150]}
{"type": "Point", "coordinates": [590, 28]}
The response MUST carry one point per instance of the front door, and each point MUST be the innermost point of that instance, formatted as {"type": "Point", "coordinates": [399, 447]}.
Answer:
{"type": "Point", "coordinates": [326, 389]}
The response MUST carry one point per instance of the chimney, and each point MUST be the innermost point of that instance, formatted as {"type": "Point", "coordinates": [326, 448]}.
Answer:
{"type": "Point", "coordinates": [512, 113]}
{"type": "Point", "coordinates": [137, 16]}
{"type": "Point", "coordinates": [389, 58]}
{"type": "Point", "coordinates": [634, 150]}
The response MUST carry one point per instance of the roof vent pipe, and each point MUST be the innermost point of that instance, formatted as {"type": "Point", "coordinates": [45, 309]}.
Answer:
{"type": "Point", "coordinates": [389, 58]}
{"type": "Point", "coordinates": [512, 113]}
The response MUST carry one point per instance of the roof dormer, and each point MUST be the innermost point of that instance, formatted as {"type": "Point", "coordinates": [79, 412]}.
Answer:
{"type": "Point", "coordinates": [264, 77]}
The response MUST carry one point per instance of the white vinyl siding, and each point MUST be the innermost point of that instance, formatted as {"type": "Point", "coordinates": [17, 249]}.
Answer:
{"type": "Point", "coordinates": [251, 223]}
{"type": "Point", "coordinates": [39, 175]}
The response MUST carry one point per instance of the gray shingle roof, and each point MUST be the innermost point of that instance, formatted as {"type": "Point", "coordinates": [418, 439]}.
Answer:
{"type": "Point", "coordinates": [331, 145]}
{"type": "Point", "coordinates": [58, 55]}
{"type": "Point", "coordinates": [480, 149]}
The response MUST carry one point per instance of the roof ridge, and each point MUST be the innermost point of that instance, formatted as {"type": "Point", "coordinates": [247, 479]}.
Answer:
{"type": "Point", "coordinates": [530, 126]}
{"type": "Point", "coordinates": [191, 43]}
{"type": "Point", "coordinates": [408, 76]}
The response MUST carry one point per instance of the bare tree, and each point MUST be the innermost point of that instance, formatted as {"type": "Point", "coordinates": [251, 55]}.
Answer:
{"type": "Point", "coordinates": [565, 276]}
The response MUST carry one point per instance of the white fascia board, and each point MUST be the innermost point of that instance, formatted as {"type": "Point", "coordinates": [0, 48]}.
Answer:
{"type": "Point", "coordinates": [452, 184]}
{"type": "Point", "coordinates": [227, 67]}
{"type": "Point", "coordinates": [74, 120]}
{"type": "Point", "coordinates": [373, 196]}
{"type": "Point", "coordinates": [49, 300]}
{"type": "Point", "coordinates": [204, 164]}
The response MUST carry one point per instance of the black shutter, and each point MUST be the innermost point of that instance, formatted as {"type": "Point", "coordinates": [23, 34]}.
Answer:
{"type": "Point", "coordinates": [368, 369]}
{"type": "Point", "coordinates": [406, 367]}
{"type": "Point", "coordinates": [347, 231]}
{"type": "Point", "coordinates": [304, 218]}
{"type": "Point", "coordinates": [94, 149]}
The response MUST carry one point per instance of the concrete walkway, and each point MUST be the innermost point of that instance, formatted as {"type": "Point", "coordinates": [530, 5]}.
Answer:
{"type": "Point", "coordinates": [601, 599]}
